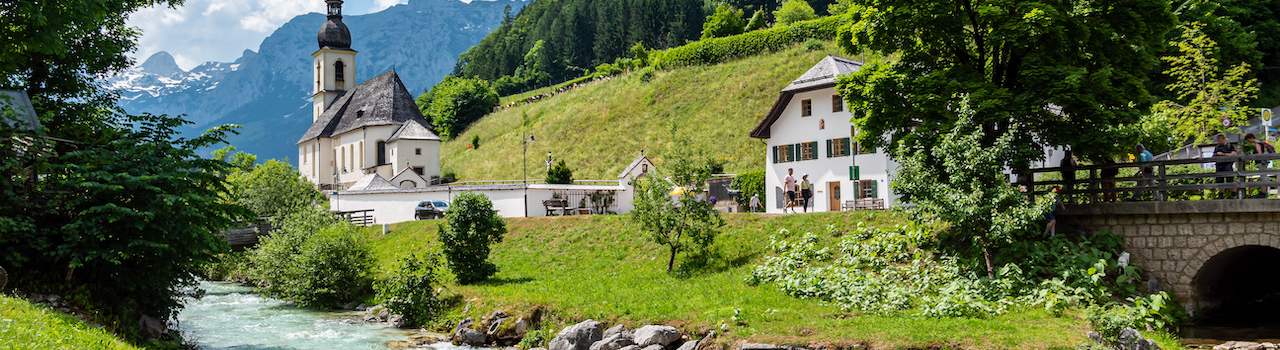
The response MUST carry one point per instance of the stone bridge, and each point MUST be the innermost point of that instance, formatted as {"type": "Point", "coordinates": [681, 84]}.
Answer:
{"type": "Point", "coordinates": [1208, 253]}
{"type": "Point", "coordinates": [1211, 253]}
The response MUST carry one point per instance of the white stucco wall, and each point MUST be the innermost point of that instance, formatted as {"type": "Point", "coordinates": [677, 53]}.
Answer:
{"type": "Point", "coordinates": [406, 154]}
{"type": "Point", "coordinates": [393, 206]}
{"type": "Point", "coordinates": [822, 125]}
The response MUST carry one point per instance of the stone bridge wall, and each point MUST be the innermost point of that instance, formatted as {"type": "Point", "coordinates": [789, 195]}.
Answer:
{"type": "Point", "coordinates": [1173, 240]}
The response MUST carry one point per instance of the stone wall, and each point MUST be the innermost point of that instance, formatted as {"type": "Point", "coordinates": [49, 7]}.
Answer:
{"type": "Point", "coordinates": [1173, 240]}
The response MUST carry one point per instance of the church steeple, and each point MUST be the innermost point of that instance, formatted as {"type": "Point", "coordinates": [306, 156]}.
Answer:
{"type": "Point", "coordinates": [335, 69]}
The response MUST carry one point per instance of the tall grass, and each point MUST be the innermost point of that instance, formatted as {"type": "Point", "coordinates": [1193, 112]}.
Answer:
{"type": "Point", "coordinates": [27, 326]}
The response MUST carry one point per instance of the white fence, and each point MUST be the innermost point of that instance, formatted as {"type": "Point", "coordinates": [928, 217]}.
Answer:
{"type": "Point", "coordinates": [393, 206]}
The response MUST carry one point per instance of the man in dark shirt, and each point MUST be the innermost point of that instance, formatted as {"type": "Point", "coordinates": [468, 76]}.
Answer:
{"type": "Point", "coordinates": [1225, 149]}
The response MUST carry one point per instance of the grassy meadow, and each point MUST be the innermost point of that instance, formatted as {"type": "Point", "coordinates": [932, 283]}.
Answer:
{"type": "Point", "coordinates": [27, 326]}
{"type": "Point", "coordinates": [599, 267]}
{"type": "Point", "coordinates": [601, 127]}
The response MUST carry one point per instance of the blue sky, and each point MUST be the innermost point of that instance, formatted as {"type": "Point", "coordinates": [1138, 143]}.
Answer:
{"type": "Point", "coordinates": [220, 30]}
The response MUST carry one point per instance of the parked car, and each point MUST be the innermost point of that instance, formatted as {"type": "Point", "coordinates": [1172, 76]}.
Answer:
{"type": "Point", "coordinates": [430, 210]}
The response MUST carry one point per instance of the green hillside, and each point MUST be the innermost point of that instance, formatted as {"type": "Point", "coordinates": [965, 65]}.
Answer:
{"type": "Point", "coordinates": [600, 128]}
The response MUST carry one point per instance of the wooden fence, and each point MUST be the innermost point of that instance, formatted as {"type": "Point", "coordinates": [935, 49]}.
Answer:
{"type": "Point", "coordinates": [1088, 186]}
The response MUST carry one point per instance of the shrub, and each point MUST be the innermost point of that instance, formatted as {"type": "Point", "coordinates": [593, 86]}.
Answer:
{"type": "Point", "coordinates": [608, 69]}
{"type": "Point", "coordinates": [455, 103]}
{"type": "Point", "coordinates": [756, 22]}
{"type": "Point", "coordinates": [750, 183]}
{"type": "Point", "coordinates": [312, 260]}
{"type": "Point", "coordinates": [646, 74]}
{"type": "Point", "coordinates": [475, 141]}
{"type": "Point", "coordinates": [794, 11]}
{"type": "Point", "coordinates": [271, 189]}
{"type": "Point", "coordinates": [716, 50]}
{"type": "Point", "coordinates": [724, 22]}
{"type": "Point", "coordinates": [814, 45]}
{"type": "Point", "coordinates": [472, 225]}
{"type": "Point", "coordinates": [560, 174]}
{"type": "Point", "coordinates": [410, 289]}
{"type": "Point", "coordinates": [230, 266]}
{"type": "Point", "coordinates": [534, 339]}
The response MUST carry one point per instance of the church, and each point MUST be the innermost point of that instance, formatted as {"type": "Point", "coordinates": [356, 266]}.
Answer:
{"type": "Point", "coordinates": [362, 130]}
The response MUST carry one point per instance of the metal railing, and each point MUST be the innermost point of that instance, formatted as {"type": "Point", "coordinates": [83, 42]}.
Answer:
{"type": "Point", "coordinates": [1088, 186]}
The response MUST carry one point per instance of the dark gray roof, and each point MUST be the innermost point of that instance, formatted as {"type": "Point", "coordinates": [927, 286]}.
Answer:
{"type": "Point", "coordinates": [824, 73]}
{"type": "Point", "coordinates": [334, 35]}
{"type": "Point", "coordinates": [382, 100]}
{"type": "Point", "coordinates": [413, 130]}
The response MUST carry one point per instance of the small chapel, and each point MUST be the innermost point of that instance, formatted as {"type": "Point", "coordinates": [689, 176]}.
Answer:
{"type": "Point", "coordinates": [373, 129]}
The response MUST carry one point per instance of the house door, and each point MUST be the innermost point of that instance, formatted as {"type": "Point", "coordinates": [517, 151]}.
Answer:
{"type": "Point", "coordinates": [834, 189]}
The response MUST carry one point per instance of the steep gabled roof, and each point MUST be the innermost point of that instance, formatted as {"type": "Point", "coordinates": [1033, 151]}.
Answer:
{"type": "Point", "coordinates": [820, 76]}
{"type": "Point", "coordinates": [382, 100]}
{"type": "Point", "coordinates": [642, 159]}
{"type": "Point", "coordinates": [413, 130]}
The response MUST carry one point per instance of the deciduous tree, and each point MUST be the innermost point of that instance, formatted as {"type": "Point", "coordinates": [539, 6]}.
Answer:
{"type": "Point", "coordinates": [686, 223]}
{"type": "Point", "coordinates": [1206, 95]}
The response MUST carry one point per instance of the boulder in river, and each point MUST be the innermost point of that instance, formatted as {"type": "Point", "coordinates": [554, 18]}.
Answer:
{"type": "Point", "coordinates": [578, 337]}
{"type": "Point", "coordinates": [1130, 339]}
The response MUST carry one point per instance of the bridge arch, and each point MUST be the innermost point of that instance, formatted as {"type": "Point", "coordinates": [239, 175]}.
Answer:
{"type": "Point", "coordinates": [1236, 281]}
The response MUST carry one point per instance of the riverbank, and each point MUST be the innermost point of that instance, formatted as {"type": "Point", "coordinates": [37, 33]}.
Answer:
{"type": "Point", "coordinates": [598, 267]}
{"type": "Point", "coordinates": [24, 325]}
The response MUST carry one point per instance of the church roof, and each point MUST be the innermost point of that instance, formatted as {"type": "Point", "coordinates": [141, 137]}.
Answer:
{"type": "Point", "coordinates": [820, 76]}
{"type": "Point", "coordinates": [382, 100]}
{"type": "Point", "coordinates": [412, 130]}
{"type": "Point", "coordinates": [334, 34]}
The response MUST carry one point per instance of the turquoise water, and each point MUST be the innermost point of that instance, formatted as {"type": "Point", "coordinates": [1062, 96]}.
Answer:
{"type": "Point", "coordinates": [230, 316]}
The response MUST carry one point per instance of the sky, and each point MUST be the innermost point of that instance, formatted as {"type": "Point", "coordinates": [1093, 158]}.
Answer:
{"type": "Point", "coordinates": [220, 30]}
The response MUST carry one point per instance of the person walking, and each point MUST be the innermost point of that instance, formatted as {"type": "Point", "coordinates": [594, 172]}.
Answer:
{"type": "Point", "coordinates": [1068, 166]}
{"type": "Point", "coordinates": [789, 183]}
{"type": "Point", "coordinates": [806, 192]}
{"type": "Point", "coordinates": [1146, 172]}
{"type": "Point", "coordinates": [1225, 149]}
{"type": "Point", "coordinates": [754, 206]}
{"type": "Point", "coordinates": [1260, 147]}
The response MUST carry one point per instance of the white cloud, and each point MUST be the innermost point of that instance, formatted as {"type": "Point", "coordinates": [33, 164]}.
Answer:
{"type": "Point", "coordinates": [224, 28]}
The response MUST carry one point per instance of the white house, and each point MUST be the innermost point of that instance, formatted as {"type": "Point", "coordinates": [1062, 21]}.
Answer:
{"type": "Point", "coordinates": [808, 129]}
{"type": "Point", "coordinates": [373, 127]}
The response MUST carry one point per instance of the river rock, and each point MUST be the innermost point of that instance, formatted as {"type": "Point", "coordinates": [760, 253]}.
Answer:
{"type": "Point", "coordinates": [1240, 345]}
{"type": "Point", "coordinates": [653, 347]}
{"type": "Point", "coordinates": [578, 337]}
{"type": "Point", "coordinates": [521, 327]}
{"type": "Point", "coordinates": [464, 324]}
{"type": "Point", "coordinates": [153, 326]}
{"type": "Point", "coordinates": [495, 316]}
{"type": "Point", "coordinates": [689, 345]}
{"type": "Point", "coordinates": [649, 335]}
{"type": "Point", "coordinates": [614, 342]}
{"type": "Point", "coordinates": [471, 337]}
{"type": "Point", "coordinates": [619, 329]}
{"type": "Point", "coordinates": [630, 347]}
{"type": "Point", "coordinates": [396, 321]}
{"type": "Point", "coordinates": [370, 319]}
{"type": "Point", "coordinates": [350, 306]}
{"type": "Point", "coordinates": [1131, 339]}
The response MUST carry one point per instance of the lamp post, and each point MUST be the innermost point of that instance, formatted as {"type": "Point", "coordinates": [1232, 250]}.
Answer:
{"type": "Point", "coordinates": [524, 155]}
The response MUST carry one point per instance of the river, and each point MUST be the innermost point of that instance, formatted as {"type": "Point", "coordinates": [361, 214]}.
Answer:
{"type": "Point", "coordinates": [233, 317]}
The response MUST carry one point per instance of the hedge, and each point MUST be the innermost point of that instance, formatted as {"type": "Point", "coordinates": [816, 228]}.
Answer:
{"type": "Point", "coordinates": [717, 50]}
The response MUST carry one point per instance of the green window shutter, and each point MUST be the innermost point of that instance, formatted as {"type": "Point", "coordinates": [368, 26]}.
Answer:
{"type": "Point", "coordinates": [775, 154]}
{"type": "Point", "coordinates": [846, 147]}
{"type": "Point", "coordinates": [829, 149]}
{"type": "Point", "coordinates": [813, 147]}
{"type": "Point", "coordinates": [875, 189]}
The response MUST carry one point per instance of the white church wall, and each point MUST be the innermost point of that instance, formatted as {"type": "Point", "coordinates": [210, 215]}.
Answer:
{"type": "Point", "coordinates": [393, 206]}
{"type": "Point", "coordinates": [418, 153]}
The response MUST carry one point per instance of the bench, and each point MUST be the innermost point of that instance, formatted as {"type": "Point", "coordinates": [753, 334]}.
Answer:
{"type": "Point", "coordinates": [554, 205]}
{"type": "Point", "coordinates": [863, 204]}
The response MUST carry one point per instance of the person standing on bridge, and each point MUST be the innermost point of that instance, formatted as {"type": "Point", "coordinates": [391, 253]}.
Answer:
{"type": "Point", "coordinates": [1225, 149]}
{"type": "Point", "coordinates": [1052, 227]}
{"type": "Point", "coordinates": [1068, 166]}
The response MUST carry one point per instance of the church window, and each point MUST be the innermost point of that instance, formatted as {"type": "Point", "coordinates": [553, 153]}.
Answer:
{"type": "Point", "coordinates": [317, 75]}
{"type": "Point", "coordinates": [418, 170]}
{"type": "Point", "coordinates": [339, 74]}
{"type": "Point", "coordinates": [362, 154]}
{"type": "Point", "coordinates": [382, 152]}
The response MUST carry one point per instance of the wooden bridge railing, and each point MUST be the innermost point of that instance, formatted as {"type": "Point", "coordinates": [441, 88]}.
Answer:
{"type": "Point", "coordinates": [1088, 186]}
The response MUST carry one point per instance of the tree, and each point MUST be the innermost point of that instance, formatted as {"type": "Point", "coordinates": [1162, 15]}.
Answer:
{"type": "Point", "coordinates": [455, 103]}
{"type": "Point", "coordinates": [560, 174]}
{"type": "Point", "coordinates": [1207, 94]}
{"type": "Point", "coordinates": [756, 22]}
{"type": "Point", "coordinates": [313, 260]}
{"type": "Point", "coordinates": [952, 182]}
{"type": "Point", "coordinates": [472, 225]}
{"type": "Point", "coordinates": [272, 189]}
{"type": "Point", "coordinates": [239, 160]}
{"type": "Point", "coordinates": [794, 11]}
{"type": "Point", "coordinates": [724, 22]}
{"type": "Point", "coordinates": [686, 223]}
{"type": "Point", "coordinates": [1059, 74]}
{"type": "Point", "coordinates": [410, 288]}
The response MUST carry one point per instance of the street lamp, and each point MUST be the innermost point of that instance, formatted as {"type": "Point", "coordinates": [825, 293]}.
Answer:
{"type": "Point", "coordinates": [524, 155]}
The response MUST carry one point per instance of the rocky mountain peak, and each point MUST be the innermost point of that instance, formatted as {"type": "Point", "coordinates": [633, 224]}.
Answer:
{"type": "Point", "coordinates": [161, 63]}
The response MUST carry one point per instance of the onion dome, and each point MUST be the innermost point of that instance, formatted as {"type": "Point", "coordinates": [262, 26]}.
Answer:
{"type": "Point", "coordinates": [334, 34]}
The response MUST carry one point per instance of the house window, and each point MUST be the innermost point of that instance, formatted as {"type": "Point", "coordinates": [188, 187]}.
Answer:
{"type": "Point", "coordinates": [417, 151]}
{"type": "Point", "coordinates": [809, 151]}
{"type": "Point", "coordinates": [867, 189]}
{"type": "Point", "coordinates": [837, 103]}
{"type": "Point", "coordinates": [838, 147]}
{"type": "Point", "coordinates": [795, 152]}
{"type": "Point", "coordinates": [418, 170]}
{"type": "Point", "coordinates": [806, 108]}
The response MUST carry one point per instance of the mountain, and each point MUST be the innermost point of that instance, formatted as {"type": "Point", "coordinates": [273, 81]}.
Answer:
{"type": "Point", "coordinates": [268, 92]}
